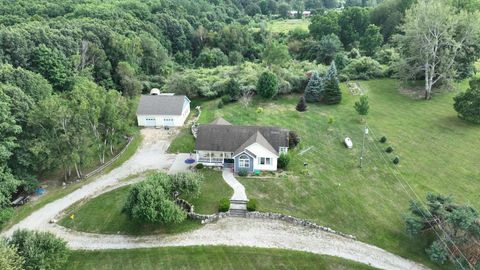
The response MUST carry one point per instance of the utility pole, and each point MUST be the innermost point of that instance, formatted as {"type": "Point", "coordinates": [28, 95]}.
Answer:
{"type": "Point", "coordinates": [365, 133]}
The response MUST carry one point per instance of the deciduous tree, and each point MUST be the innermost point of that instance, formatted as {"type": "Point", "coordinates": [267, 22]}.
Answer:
{"type": "Point", "coordinates": [434, 38]}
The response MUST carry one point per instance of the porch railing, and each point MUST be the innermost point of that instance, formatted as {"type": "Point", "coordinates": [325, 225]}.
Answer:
{"type": "Point", "coordinates": [210, 160]}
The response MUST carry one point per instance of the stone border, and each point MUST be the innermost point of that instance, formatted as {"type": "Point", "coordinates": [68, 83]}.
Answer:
{"type": "Point", "coordinates": [297, 221]}
{"type": "Point", "coordinates": [205, 219]}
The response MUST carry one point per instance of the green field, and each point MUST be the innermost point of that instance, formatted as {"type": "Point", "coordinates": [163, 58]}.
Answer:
{"type": "Point", "coordinates": [103, 214]}
{"type": "Point", "coordinates": [436, 150]}
{"type": "Point", "coordinates": [284, 26]}
{"type": "Point", "coordinates": [206, 257]}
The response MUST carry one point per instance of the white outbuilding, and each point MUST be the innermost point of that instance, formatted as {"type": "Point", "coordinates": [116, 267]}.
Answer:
{"type": "Point", "coordinates": [162, 110]}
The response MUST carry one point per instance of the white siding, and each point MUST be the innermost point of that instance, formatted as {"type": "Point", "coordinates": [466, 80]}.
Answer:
{"type": "Point", "coordinates": [262, 152]}
{"type": "Point", "coordinates": [174, 120]}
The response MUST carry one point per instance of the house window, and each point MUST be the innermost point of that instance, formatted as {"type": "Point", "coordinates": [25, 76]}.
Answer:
{"type": "Point", "coordinates": [283, 149]}
{"type": "Point", "coordinates": [244, 162]}
{"type": "Point", "coordinates": [265, 161]}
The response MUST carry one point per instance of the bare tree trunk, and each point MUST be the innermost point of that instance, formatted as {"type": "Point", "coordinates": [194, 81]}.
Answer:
{"type": "Point", "coordinates": [79, 175]}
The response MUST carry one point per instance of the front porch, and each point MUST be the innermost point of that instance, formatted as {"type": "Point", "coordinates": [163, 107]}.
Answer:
{"type": "Point", "coordinates": [214, 159]}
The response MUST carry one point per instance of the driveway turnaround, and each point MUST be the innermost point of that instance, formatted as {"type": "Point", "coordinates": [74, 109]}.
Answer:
{"type": "Point", "coordinates": [238, 189]}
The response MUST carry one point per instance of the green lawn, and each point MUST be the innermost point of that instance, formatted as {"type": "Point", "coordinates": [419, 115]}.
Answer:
{"type": "Point", "coordinates": [212, 190]}
{"type": "Point", "coordinates": [103, 214]}
{"type": "Point", "coordinates": [206, 257]}
{"type": "Point", "coordinates": [437, 153]}
{"type": "Point", "coordinates": [284, 26]}
{"type": "Point", "coordinates": [58, 191]}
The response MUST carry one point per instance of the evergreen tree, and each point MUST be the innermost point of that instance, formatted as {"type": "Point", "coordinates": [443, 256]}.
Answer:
{"type": "Point", "coordinates": [302, 105]}
{"type": "Point", "coordinates": [362, 107]}
{"type": "Point", "coordinates": [333, 95]}
{"type": "Point", "coordinates": [315, 88]}
{"type": "Point", "coordinates": [267, 85]}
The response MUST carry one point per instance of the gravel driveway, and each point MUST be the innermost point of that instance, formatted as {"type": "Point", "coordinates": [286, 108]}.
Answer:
{"type": "Point", "coordinates": [228, 231]}
{"type": "Point", "coordinates": [150, 155]}
{"type": "Point", "coordinates": [248, 232]}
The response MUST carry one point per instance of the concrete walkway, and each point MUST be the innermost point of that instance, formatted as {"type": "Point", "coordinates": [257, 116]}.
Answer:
{"type": "Point", "coordinates": [238, 189]}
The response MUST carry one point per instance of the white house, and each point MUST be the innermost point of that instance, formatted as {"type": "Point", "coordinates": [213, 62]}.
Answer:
{"type": "Point", "coordinates": [164, 110]}
{"type": "Point", "coordinates": [254, 148]}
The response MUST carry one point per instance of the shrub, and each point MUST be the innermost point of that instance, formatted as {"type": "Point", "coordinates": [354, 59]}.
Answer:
{"type": "Point", "coordinates": [220, 104]}
{"type": "Point", "coordinates": [383, 139]}
{"type": "Point", "coordinates": [211, 58]}
{"type": "Point", "coordinates": [199, 166]}
{"type": "Point", "coordinates": [389, 149]}
{"type": "Point", "coordinates": [151, 201]}
{"type": "Point", "coordinates": [301, 105]}
{"type": "Point", "coordinates": [363, 68]}
{"type": "Point", "coordinates": [226, 99]}
{"type": "Point", "coordinates": [224, 205]}
{"type": "Point", "coordinates": [186, 183]}
{"type": "Point", "coordinates": [9, 258]}
{"type": "Point", "coordinates": [243, 172]}
{"type": "Point", "coordinates": [40, 250]}
{"type": "Point", "coordinates": [293, 139]}
{"type": "Point", "coordinates": [252, 205]}
{"type": "Point", "coordinates": [467, 104]}
{"type": "Point", "coordinates": [396, 160]}
{"type": "Point", "coordinates": [283, 161]}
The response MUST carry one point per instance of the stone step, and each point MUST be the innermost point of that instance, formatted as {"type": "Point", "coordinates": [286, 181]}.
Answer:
{"type": "Point", "coordinates": [238, 213]}
{"type": "Point", "coordinates": [238, 202]}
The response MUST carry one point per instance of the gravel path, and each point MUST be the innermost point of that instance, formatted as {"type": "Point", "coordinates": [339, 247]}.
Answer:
{"type": "Point", "coordinates": [238, 189]}
{"type": "Point", "coordinates": [249, 232]}
{"type": "Point", "coordinates": [228, 231]}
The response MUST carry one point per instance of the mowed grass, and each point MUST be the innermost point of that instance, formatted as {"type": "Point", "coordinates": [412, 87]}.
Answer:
{"type": "Point", "coordinates": [206, 257]}
{"type": "Point", "coordinates": [103, 214]}
{"type": "Point", "coordinates": [212, 190]}
{"type": "Point", "coordinates": [284, 26]}
{"type": "Point", "coordinates": [438, 154]}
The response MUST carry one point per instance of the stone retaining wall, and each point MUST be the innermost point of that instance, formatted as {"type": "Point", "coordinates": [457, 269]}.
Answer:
{"type": "Point", "coordinates": [296, 221]}
{"type": "Point", "coordinates": [205, 219]}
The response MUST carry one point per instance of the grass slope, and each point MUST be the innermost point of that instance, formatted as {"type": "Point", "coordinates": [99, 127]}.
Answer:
{"type": "Point", "coordinates": [58, 192]}
{"type": "Point", "coordinates": [437, 153]}
{"type": "Point", "coordinates": [103, 214]}
{"type": "Point", "coordinates": [207, 257]}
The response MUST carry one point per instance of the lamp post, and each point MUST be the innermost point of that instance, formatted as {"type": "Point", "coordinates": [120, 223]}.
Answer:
{"type": "Point", "coordinates": [365, 133]}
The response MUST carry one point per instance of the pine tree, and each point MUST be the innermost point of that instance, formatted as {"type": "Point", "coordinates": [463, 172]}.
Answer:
{"type": "Point", "coordinates": [333, 95]}
{"type": "Point", "coordinates": [315, 88]}
{"type": "Point", "coordinates": [302, 105]}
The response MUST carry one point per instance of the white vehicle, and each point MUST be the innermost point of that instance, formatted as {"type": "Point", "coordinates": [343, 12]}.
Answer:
{"type": "Point", "coordinates": [348, 143]}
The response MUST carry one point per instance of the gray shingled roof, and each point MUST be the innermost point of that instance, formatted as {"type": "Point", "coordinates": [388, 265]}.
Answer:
{"type": "Point", "coordinates": [160, 105]}
{"type": "Point", "coordinates": [256, 138]}
{"type": "Point", "coordinates": [220, 121]}
{"type": "Point", "coordinates": [231, 138]}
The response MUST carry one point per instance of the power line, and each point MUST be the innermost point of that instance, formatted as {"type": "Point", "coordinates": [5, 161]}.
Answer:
{"type": "Point", "coordinates": [419, 199]}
